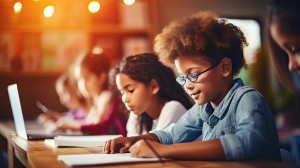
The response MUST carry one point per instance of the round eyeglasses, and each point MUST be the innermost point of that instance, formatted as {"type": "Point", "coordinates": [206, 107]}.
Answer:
{"type": "Point", "coordinates": [193, 77]}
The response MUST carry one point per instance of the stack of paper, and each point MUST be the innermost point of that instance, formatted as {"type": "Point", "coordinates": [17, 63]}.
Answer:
{"type": "Point", "coordinates": [79, 141]}
{"type": "Point", "coordinates": [99, 159]}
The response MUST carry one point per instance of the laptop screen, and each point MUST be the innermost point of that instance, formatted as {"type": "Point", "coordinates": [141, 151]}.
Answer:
{"type": "Point", "coordinates": [17, 110]}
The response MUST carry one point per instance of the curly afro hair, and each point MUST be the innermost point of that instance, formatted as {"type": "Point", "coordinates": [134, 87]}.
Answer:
{"type": "Point", "coordinates": [202, 34]}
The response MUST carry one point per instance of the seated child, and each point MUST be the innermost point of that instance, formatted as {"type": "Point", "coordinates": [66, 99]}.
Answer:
{"type": "Point", "coordinates": [105, 115]}
{"type": "Point", "coordinates": [69, 97]}
{"type": "Point", "coordinates": [149, 93]}
{"type": "Point", "coordinates": [234, 120]}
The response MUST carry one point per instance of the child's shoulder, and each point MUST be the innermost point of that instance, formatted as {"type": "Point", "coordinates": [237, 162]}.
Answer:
{"type": "Point", "coordinates": [245, 89]}
{"type": "Point", "coordinates": [240, 89]}
{"type": "Point", "coordinates": [173, 104]}
{"type": "Point", "coordinates": [106, 93]}
{"type": "Point", "coordinates": [248, 93]}
{"type": "Point", "coordinates": [104, 97]}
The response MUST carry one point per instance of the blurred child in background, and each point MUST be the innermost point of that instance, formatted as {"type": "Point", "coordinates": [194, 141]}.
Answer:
{"type": "Point", "coordinates": [105, 115]}
{"type": "Point", "coordinates": [284, 41]}
{"type": "Point", "coordinates": [69, 97]}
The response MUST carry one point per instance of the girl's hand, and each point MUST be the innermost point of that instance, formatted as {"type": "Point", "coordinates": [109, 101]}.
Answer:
{"type": "Point", "coordinates": [50, 126]}
{"type": "Point", "coordinates": [142, 150]}
{"type": "Point", "coordinates": [43, 118]}
{"type": "Point", "coordinates": [120, 144]}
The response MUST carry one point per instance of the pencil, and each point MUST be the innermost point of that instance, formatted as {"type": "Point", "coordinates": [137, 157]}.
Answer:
{"type": "Point", "coordinates": [152, 149]}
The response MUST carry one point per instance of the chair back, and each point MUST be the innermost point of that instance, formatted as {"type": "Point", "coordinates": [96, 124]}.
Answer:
{"type": "Point", "coordinates": [287, 157]}
{"type": "Point", "coordinates": [295, 145]}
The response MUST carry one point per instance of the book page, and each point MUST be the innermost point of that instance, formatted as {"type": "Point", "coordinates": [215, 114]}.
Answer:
{"type": "Point", "coordinates": [99, 159]}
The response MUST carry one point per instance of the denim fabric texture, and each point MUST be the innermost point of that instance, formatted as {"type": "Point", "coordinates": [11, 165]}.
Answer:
{"type": "Point", "coordinates": [243, 122]}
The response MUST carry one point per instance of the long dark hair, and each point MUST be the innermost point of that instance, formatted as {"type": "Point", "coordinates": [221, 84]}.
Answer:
{"type": "Point", "coordinates": [144, 68]}
{"type": "Point", "coordinates": [287, 15]}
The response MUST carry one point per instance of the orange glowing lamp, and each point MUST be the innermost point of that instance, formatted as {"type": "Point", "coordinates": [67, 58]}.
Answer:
{"type": "Point", "coordinates": [94, 6]}
{"type": "Point", "coordinates": [17, 7]}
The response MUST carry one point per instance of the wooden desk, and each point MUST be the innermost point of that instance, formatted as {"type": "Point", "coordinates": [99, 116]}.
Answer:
{"type": "Point", "coordinates": [7, 130]}
{"type": "Point", "coordinates": [36, 154]}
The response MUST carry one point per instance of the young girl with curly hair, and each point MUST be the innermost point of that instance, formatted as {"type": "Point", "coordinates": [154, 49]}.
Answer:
{"type": "Point", "coordinates": [149, 92]}
{"type": "Point", "coordinates": [234, 120]}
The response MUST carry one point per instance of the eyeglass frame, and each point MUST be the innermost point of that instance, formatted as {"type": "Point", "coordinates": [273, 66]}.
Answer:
{"type": "Point", "coordinates": [196, 74]}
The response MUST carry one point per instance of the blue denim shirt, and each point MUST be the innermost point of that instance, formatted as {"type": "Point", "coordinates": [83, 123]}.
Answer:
{"type": "Point", "coordinates": [242, 121]}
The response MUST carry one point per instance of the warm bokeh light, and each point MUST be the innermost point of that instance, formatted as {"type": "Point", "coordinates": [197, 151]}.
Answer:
{"type": "Point", "coordinates": [94, 6]}
{"type": "Point", "coordinates": [18, 7]}
{"type": "Point", "coordinates": [128, 2]}
{"type": "Point", "coordinates": [48, 11]}
{"type": "Point", "coordinates": [97, 50]}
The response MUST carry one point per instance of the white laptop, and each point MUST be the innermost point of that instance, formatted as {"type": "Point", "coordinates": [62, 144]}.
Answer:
{"type": "Point", "coordinates": [36, 134]}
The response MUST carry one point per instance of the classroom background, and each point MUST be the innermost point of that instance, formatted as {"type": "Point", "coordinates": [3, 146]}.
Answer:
{"type": "Point", "coordinates": [40, 38]}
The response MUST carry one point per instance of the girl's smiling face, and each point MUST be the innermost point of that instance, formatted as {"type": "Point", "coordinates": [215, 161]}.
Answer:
{"type": "Point", "coordinates": [210, 86]}
{"type": "Point", "coordinates": [136, 96]}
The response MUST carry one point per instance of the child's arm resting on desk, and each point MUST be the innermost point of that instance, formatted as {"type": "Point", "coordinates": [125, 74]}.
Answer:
{"type": "Point", "coordinates": [198, 150]}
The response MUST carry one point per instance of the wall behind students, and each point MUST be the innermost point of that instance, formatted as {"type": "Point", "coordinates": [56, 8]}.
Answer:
{"type": "Point", "coordinates": [41, 87]}
{"type": "Point", "coordinates": [168, 10]}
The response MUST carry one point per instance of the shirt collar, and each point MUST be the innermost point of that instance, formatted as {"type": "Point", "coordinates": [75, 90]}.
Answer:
{"type": "Point", "coordinates": [207, 109]}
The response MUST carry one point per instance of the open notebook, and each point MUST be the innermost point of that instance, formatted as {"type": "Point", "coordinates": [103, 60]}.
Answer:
{"type": "Point", "coordinates": [100, 159]}
{"type": "Point", "coordinates": [35, 134]}
{"type": "Point", "coordinates": [79, 141]}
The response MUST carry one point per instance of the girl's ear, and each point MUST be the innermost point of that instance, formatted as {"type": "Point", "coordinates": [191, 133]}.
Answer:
{"type": "Point", "coordinates": [226, 67]}
{"type": "Point", "coordinates": [154, 86]}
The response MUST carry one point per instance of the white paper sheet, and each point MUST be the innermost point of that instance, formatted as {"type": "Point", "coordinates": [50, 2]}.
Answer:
{"type": "Point", "coordinates": [79, 141]}
{"type": "Point", "coordinates": [99, 159]}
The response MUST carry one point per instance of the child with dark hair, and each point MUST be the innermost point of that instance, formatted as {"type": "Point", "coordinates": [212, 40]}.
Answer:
{"type": "Point", "coordinates": [149, 92]}
{"type": "Point", "coordinates": [105, 115]}
{"type": "Point", "coordinates": [284, 41]}
{"type": "Point", "coordinates": [234, 120]}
